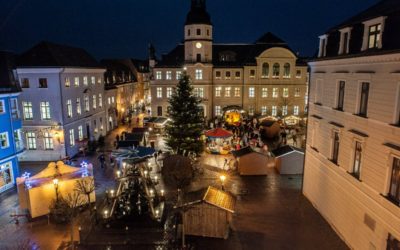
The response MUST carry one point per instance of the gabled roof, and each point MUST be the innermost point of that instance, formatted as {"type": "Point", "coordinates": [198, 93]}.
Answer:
{"type": "Point", "coordinates": [242, 151]}
{"type": "Point", "coordinates": [47, 54]}
{"type": "Point", "coordinates": [270, 38]}
{"type": "Point", "coordinates": [8, 83]}
{"type": "Point", "coordinates": [212, 196]}
{"type": "Point", "coordinates": [285, 150]}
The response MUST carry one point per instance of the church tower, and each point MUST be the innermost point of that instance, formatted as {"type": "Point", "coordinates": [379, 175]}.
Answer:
{"type": "Point", "coordinates": [198, 34]}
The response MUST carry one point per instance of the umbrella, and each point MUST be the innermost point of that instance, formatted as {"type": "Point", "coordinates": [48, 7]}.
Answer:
{"type": "Point", "coordinates": [218, 133]}
{"type": "Point", "coordinates": [132, 153]}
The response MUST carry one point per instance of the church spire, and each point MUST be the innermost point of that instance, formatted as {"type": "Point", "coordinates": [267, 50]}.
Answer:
{"type": "Point", "coordinates": [198, 13]}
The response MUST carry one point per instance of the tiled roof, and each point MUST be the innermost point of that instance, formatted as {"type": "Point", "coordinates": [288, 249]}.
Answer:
{"type": "Point", "coordinates": [46, 54]}
{"type": "Point", "coordinates": [8, 83]}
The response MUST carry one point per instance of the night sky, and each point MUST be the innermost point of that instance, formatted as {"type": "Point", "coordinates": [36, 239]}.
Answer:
{"type": "Point", "coordinates": [123, 28]}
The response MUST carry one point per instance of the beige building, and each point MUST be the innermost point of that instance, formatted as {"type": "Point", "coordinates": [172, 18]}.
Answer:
{"type": "Point", "coordinates": [261, 78]}
{"type": "Point", "coordinates": [352, 165]}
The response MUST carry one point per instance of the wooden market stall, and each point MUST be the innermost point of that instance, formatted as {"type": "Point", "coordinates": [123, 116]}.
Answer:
{"type": "Point", "coordinates": [57, 180]}
{"type": "Point", "coordinates": [218, 141]}
{"type": "Point", "coordinates": [289, 160]}
{"type": "Point", "coordinates": [208, 213]}
{"type": "Point", "coordinates": [251, 162]}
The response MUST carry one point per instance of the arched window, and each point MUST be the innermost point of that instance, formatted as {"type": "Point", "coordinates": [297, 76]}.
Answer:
{"type": "Point", "coordinates": [275, 70]}
{"type": "Point", "coordinates": [286, 70]}
{"type": "Point", "coordinates": [265, 70]}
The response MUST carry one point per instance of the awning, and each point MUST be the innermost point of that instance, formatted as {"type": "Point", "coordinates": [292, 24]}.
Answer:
{"type": "Point", "coordinates": [218, 133]}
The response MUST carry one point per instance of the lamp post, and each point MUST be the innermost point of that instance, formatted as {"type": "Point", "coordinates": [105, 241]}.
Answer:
{"type": "Point", "coordinates": [222, 178]}
{"type": "Point", "coordinates": [55, 183]}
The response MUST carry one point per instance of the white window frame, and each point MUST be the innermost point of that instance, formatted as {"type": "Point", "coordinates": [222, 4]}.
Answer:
{"type": "Point", "coordinates": [31, 140]}
{"type": "Point", "coordinates": [228, 91]}
{"type": "Point", "coordinates": [264, 110]}
{"type": "Point", "coordinates": [218, 111]}
{"type": "Point", "coordinates": [71, 137]}
{"type": "Point", "coordinates": [199, 74]}
{"type": "Point", "coordinates": [6, 139]}
{"type": "Point", "coordinates": [343, 32]}
{"type": "Point", "coordinates": [178, 75]}
{"type": "Point", "coordinates": [218, 91]}
{"type": "Point", "coordinates": [296, 110]}
{"type": "Point", "coordinates": [45, 111]}
{"type": "Point", "coordinates": [252, 92]}
{"type": "Point", "coordinates": [67, 82]}
{"type": "Point", "coordinates": [80, 133]}
{"type": "Point", "coordinates": [274, 111]}
{"type": "Point", "coordinates": [76, 81]}
{"type": "Point", "coordinates": [69, 108]}
{"type": "Point", "coordinates": [275, 92]}
{"type": "Point", "coordinates": [158, 75]}
{"type": "Point", "coordinates": [3, 107]}
{"type": "Point", "coordinates": [100, 100]}
{"type": "Point", "coordinates": [94, 101]}
{"type": "Point", "coordinates": [369, 23]}
{"type": "Point", "coordinates": [323, 41]}
{"type": "Point", "coordinates": [168, 75]}
{"type": "Point", "coordinates": [285, 92]}
{"type": "Point", "coordinates": [48, 141]}
{"type": "Point", "coordinates": [159, 93]}
{"type": "Point", "coordinates": [169, 92]}
{"type": "Point", "coordinates": [85, 81]}
{"type": "Point", "coordinates": [264, 92]}
{"type": "Point", "coordinates": [237, 92]}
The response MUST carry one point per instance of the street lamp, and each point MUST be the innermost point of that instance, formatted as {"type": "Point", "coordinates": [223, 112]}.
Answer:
{"type": "Point", "coordinates": [55, 183]}
{"type": "Point", "coordinates": [222, 178]}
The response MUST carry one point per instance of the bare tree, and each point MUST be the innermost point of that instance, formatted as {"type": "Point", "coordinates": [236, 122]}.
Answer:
{"type": "Point", "coordinates": [74, 200]}
{"type": "Point", "coordinates": [85, 187]}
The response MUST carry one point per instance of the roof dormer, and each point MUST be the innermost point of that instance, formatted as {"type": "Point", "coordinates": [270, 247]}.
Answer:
{"type": "Point", "coordinates": [345, 35]}
{"type": "Point", "coordinates": [373, 30]}
{"type": "Point", "coordinates": [323, 41]}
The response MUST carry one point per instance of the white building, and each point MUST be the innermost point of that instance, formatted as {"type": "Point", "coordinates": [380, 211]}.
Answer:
{"type": "Point", "coordinates": [352, 166]}
{"type": "Point", "coordinates": [62, 101]}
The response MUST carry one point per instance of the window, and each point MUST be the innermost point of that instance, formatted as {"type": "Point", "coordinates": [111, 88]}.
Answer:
{"type": "Point", "coordinates": [87, 104]}
{"type": "Point", "coordinates": [2, 107]}
{"type": "Point", "coordinates": [251, 92]}
{"type": "Point", "coordinates": [217, 110]}
{"type": "Point", "coordinates": [198, 57]}
{"type": "Point", "coordinates": [201, 92]}
{"type": "Point", "coordinates": [296, 110]}
{"type": "Point", "coordinates": [109, 100]}
{"type": "Point", "coordinates": [264, 92]}
{"type": "Point", "coordinates": [80, 133]}
{"type": "Point", "coordinates": [71, 137]}
{"type": "Point", "coordinates": [263, 110]}
{"type": "Point", "coordinates": [99, 80]}
{"type": "Point", "coordinates": [335, 147]}
{"type": "Point", "coordinates": [364, 99]}
{"type": "Point", "coordinates": [285, 92]}
{"type": "Point", "coordinates": [31, 140]}
{"type": "Point", "coordinates": [374, 36]}
{"type": "Point", "coordinates": [251, 110]}
{"type": "Point", "coordinates": [43, 83]}
{"type": "Point", "coordinates": [218, 91]}
{"type": "Point", "coordinates": [394, 188]}
{"type": "Point", "coordinates": [67, 82]}
{"type": "Point", "coordinates": [27, 110]}
{"type": "Point", "coordinates": [237, 75]}
{"type": "Point", "coordinates": [392, 243]}
{"type": "Point", "coordinates": [48, 141]}
{"type": "Point", "coordinates": [78, 106]}
{"type": "Point", "coordinates": [286, 70]}
{"type": "Point", "coordinates": [198, 32]}
{"type": "Point", "coordinates": [178, 75]}
{"type": "Point", "coordinates": [208, 32]}
{"type": "Point", "coordinates": [227, 91]}
{"type": "Point", "coordinates": [158, 75]}
{"type": "Point", "coordinates": [345, 43]}
{"type": "Point", "coordinates": [45, 110]}
{"type": "Point", "coordinates": [100, 101]}
{"type": "Point", "coordinates": [94, 101]}
{"type": "Point", "coordinates": [4, 143]}
{"type": "Point", "coordinates": [93, 80]}
{"type": "Point", "coordinates": [169, 92]}
{"type": "Point", "coordinates": [275, 92]}
{"type": "Point", "coordinates": [284, 110]}
{"type": "Point", "coordinates": [298, 73]}
{"type": "Point", "coordinates": [319, 91]}
{"type": "Point", "coordinates": [217, 74]}
{"type": "Point", "coordinates": [168, 75]}
{"type": "Point", "coordinates": [265, 70]}
{"type": "Point", "coordinates": [227, 75]}
{"type": "Point", "coordinates": [296, 92]}
{"type": "Point", "coordinates": [69, 108]}
{"type": "Point", "coordinates": [340, 100]}
{"type": "Point", "coordinates": [112, 99]}
{"type": "Point", "coordinates": [252, 73]}
{"type": "Point", "coordinates": [14, 108]}
{"type": "Point", "coordinates": [85, 81]}
{"type": "Point", "coordinates": [237, 92]}
{"type": "Point", "coordinates": [199, 74]}
{"type": "Point", "coordinates": [188, 32]}
{"type": "Point", "coordinates": [159, 110]}
{"type": "Point", "coordinates": [159, 92]}
{"type": "Point", "coordinates": [322, 45]}
{"type": "Point", "coordinates": [274, 111]}
{"type": "Point", "coordinates": [275, 70]}
{"type": "Point", "coordinates": [76, 81]}
{"type": "Point", "coordinates": [101, 123]}
{"type": "Point", "coordinates": [25, 83]}
{"type": "Point", "coordinates": [18, 140]}
{"type": "Point", "coordinates": [357, 160]}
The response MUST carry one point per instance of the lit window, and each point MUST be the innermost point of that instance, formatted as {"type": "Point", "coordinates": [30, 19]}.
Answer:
{"type": "Point", "coordinates": [178, 75]}
{"type": "Point", "coordinates": [69, 108]}
{"type": "Point", "coordinates": [217, 110]}
{"type": "Point", "coordinates": [168, 75]}
{"type": "Point", "coordinates": [227, 91]}
{"type": "Point", "coordinates": [4, 143]}
{"type": "Point", "coordinates": [159, 92]}
{"type": "Point", "coordinates": [218, 91]}
{"type": "Point", "coordinates": [48, 141]}
{"type": "Point", "coordinates": [31, 140]}
{"type": "Point", "coordinates": [357, 160]}
{"type": "Point", "coordinates": [296, 92]}
{"type": "Point", "coordinates": [45, 110]}
{"type": "Point", "coordinates": [251, 92]}
{"type": "Point", "coordinates": [27, 109]}
{"type": "Point", "coordinates": [198, 92]}
{"type": "Point", "coordinates": [199, 74]}
{"type": "Point", "coordinates": [275, 92]}
{"type": "Point", "coordinates": [43, 83]}
{"type": "Point", "coordinates": [237, 92]}
{"type": "Point", "coordinates": [100, 101]}
{"type": "Point", "coordinates": [263, 110]}
{"type": "Point", "coordinates": [67, 82]}
{"type": "Point", "coordinates": [93, 80]}
{"type": "Point", "coordinates": [274, 111]}
{"type": "Point", "coordinates": [71, 137]}
{"type": "Point", "coordinates": [78, 106]}
{"type": "Point", "coordinates": [80, 133]}
{"type": "Point", "coordinates": [94, 102]}
{"type": "Point", "coordinates": [99, 80]}
{"type": "Point", "coordinates": [113, 99]}
{"type": "Point", "coordinates": [251, 110]}
{"type": "Point", "coordinates": [169, 92]}
{"type": "Point", "coordinates": [296, 110]}
{"type": "Point", "coordinates": [284, 110]}
{"type": "Point", "coordinates": [374, 36]}
{"type": "Point", "coordinates": [158, 75]}
{"type": "Point", "coordinates": [87, 104]}
{"type": "Point", "coordinates": [109, 100]}
{"type": "Point", "coordinates": [85, 81]}
{"type": "Point", "coordinates": [285, 92]}
{"type": "Point", "coordinates": [275, 70]}
{"type": "Point", "coordinates": [286, 70]}
{"type": "Point", "coordinates": [76, 81]}
{"type": "Point", "coordinates": [264, 92]}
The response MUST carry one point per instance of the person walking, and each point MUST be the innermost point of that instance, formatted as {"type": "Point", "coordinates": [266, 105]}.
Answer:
{"type": "Point", "coordinates": [102, 160]}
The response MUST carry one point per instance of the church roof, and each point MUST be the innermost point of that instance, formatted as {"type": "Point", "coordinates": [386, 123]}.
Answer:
{"type": "Point", "coordinates": [198, 13]}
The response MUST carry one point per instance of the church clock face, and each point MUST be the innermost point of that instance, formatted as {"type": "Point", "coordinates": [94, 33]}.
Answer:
{"type": "Point", "coordinates": [199, 45]}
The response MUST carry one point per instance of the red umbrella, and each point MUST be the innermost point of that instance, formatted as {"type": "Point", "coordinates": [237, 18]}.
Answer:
{"type": "Point", "coordinates": [218, 133]}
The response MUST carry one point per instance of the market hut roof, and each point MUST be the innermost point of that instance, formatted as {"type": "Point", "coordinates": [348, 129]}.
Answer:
{"type": "Point", "coordinates": [286, 150]}
{"type": "Point", "coordinates": [242, 151]}
{"type": "Point", "coordinates": [221, 199]}
{"type": "Point", "coordinates": [218, 133]}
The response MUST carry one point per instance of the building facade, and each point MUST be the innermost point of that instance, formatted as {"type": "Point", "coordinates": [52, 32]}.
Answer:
{"type": "Point", "coordinates": [62, 101]}
{"type": "Point", "coordinates": [352, 165]}
{"type": "Point", "coordinates": [11, 144]}
{"type": "Point", "coordinates": [261, 78]}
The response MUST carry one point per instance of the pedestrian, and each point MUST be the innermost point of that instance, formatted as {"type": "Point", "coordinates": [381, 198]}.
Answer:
{"type": "Point", "coordinates": [117, 138]}
{"type": "Point", "coordinates": [102, 160]}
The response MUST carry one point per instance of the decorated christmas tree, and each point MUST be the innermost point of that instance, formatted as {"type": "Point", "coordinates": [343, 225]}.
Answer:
{"type": "Point", "coordinates": [186, 126]}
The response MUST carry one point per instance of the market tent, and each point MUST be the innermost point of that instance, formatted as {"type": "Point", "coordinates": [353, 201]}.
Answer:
{"type": "Point", "coordinates": [218, 133]}
{"type": "Point", "coordinates": [55, 169]}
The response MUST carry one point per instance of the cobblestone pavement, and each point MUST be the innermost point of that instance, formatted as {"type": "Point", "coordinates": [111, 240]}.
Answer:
{"type": "Point", "coordinates": [271, 212]}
